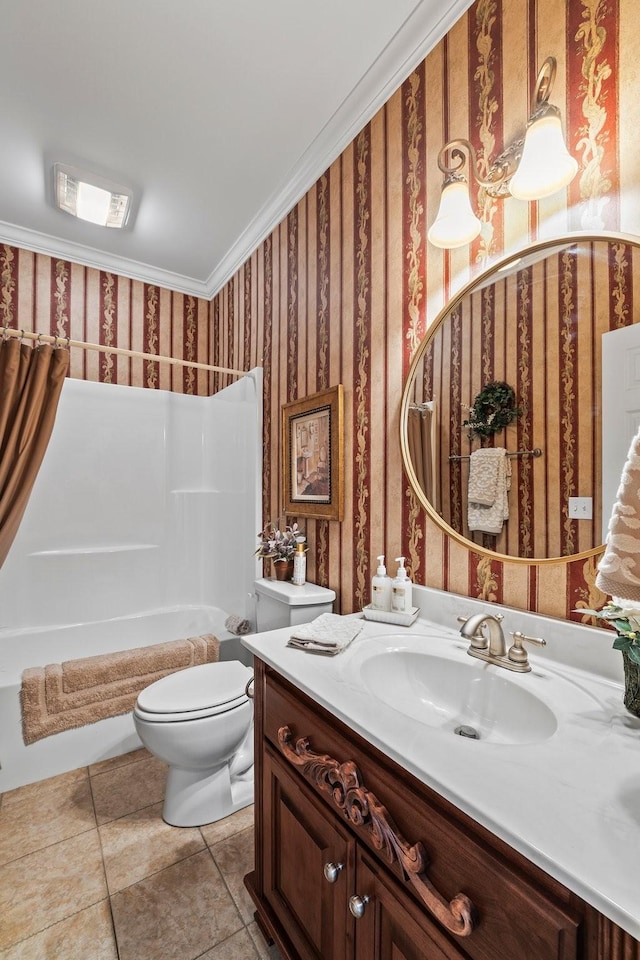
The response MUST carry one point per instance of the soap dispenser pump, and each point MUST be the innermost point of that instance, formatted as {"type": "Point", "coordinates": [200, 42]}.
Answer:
{"type": "Point", "coordinates": [401, 589]}
{"type": "Point", "coordinates": [381, 588]}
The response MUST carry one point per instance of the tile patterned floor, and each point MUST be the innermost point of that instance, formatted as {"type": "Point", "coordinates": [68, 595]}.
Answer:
{"type": "Point", "coordinates": [90, 871]}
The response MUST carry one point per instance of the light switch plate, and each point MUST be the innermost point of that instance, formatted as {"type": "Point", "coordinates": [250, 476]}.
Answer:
{"type": "Point", "coordinates": [580, 508]}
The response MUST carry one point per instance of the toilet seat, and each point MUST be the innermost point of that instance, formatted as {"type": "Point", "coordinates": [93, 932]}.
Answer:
{"type": "Point", "coordinates": [195, 693]}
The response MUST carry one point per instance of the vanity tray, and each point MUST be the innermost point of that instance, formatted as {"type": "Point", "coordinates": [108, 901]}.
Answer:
{"type": "Point", "coordinates": [391, 616]}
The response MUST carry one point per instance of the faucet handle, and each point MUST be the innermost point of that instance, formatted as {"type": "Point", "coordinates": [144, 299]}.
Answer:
{"type": "Point", "coordinates": [517, 653]}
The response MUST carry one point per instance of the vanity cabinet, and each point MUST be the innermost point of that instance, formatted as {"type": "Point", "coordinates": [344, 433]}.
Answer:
{"type": "Point", "coordinates": [312, 869]}
{"type": "Point", "coordinates": [358, 860]}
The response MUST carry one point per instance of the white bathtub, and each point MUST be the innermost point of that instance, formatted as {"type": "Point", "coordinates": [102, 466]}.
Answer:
{"type": "Point", "coordinates": [19, 649]}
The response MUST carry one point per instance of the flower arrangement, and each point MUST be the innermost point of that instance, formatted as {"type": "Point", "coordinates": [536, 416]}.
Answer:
{"type": "Point", "coordinates": [624, 617]}
{"type": "Point", "coordinates": [278, 545]}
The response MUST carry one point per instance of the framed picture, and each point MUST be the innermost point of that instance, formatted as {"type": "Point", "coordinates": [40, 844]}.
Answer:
{"type": "Point", "coordinates": [313, 455]}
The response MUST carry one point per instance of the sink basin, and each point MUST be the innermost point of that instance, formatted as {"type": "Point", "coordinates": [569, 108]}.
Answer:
{"type": "Point", "coordinates": [448, 692]}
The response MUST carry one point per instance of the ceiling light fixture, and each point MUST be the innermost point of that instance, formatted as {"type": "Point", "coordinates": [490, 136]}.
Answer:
{"type": "Point", "coordinates": [530, 168]}
{"type": "Point", "coordinates": [90, 197]}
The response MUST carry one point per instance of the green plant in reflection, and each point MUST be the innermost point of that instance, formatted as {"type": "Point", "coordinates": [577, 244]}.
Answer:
{"type": "Point", "coordinates": [494, 408]}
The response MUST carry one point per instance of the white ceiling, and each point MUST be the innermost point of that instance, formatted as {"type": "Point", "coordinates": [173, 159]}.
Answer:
{"type": "Point", "coordinates": [220, 114]}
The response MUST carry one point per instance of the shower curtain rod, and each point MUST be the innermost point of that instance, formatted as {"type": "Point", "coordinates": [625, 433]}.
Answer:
{"type": "Point", "coordinates": [120, 351]}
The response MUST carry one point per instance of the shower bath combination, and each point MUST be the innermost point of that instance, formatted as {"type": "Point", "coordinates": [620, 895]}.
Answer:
{"type": "Point", "coordinates": [119, 547]}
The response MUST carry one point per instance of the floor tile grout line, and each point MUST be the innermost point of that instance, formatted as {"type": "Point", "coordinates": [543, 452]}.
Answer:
{"type": "Point", "coordinates": [130, 813]}
{"type": "Point", "coordinates": [54, 923]}
{"type": "Point", "coordinates": [104, 870]}
{"type": "Point", "coordinates": [116, 766]}
{"type": "Point", "coordinates": [227, 887]}
{"type": "Point", "coordinates": [93, 799]}
{"type": "Point", "coordinates": [71, 836]}
{"type": "Point", "coordinates": [47, 846]}
{"type": "Point", "coordinates": [224, 879]}
{"type": "Point", "coordinates": [155, 873]}
{"type": "Point", "coordinates": [242, 924]}
{"type": "Point", "coordinates": [39, 783]}
{"type": "Point", "coordinates": [113, 928]}
{"type": "Point", "coordinates": [226, 940]}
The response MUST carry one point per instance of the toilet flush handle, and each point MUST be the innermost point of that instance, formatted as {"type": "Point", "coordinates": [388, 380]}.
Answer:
{"type": "Point", "coordinates": [247, 692]}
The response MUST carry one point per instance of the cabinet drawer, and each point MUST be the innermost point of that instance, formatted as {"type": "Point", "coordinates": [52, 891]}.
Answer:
{"type": "Point", "coordinates": [520, 913]}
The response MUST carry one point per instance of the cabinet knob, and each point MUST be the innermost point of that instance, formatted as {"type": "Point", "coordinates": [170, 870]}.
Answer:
{"type": "Point", "coordinates": [357, 905]}
{"type": "Point", "coordinates": [331, 871]}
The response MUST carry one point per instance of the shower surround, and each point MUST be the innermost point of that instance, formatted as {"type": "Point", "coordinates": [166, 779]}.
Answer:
{"type": "Point", "coordinates": [140, 529]}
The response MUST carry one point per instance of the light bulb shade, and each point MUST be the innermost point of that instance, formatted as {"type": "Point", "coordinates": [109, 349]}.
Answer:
{"type": "Point", "coordinates": [456, 224]}
{"type": "Point", "coordinates": [546, 165]}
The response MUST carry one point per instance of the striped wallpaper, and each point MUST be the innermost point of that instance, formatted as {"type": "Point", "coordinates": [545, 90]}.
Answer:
{"type": "Point", "coordinates": [344, 288]}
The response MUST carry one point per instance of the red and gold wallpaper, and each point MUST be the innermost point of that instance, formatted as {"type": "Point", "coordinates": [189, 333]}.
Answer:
{"type": "Point", "coordinates": [343, 290]}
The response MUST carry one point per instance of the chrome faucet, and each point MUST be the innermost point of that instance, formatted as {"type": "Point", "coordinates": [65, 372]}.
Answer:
{"type": "Point", "coordinates": [493, 649]}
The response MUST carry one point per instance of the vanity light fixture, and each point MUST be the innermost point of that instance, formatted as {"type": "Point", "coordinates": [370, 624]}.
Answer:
{"type": "Point", "coordinates": [530, 168]}
{"type": "Point", "coordinates": [90, 197]}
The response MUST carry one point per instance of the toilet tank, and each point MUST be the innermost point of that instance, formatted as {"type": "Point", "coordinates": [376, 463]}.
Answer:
{"type": "Point", "coordinates": [280, 603]}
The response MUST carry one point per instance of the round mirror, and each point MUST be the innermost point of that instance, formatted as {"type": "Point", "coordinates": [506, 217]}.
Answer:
{"type": "Point", "coordinates": [523, 397]}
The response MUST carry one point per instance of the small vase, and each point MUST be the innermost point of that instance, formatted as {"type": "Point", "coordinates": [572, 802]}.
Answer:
{"type": "Point", "coordinates": [631, 684]}
{"type": "Point", "coordinates": [283, 569]}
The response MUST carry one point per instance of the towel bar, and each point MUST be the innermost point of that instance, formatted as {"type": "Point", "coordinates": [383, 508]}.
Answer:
{"type": "Point", "coordinates": [536, 452]}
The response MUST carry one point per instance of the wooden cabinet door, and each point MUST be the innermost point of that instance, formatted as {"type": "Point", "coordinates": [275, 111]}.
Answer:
{"type": "Point", "coordinates": [392, 925]}
{"type": "Point", "coordinates": [300, 838]}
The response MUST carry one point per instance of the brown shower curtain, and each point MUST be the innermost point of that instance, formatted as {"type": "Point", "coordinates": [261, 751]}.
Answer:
{"type": "Point", "coordinates": [423, 448]}
{"type": "Point", "coordinates": [31, 380]}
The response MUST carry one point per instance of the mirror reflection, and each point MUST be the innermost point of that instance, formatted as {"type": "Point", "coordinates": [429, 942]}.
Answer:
{"type": "Point", "coordinates": [505, 428]}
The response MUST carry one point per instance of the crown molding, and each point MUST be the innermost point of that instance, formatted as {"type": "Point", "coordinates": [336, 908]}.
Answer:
{"type": "Point", "coordinates": [418, 35]}
{"type": "Point", "coordinates": [60, 249]}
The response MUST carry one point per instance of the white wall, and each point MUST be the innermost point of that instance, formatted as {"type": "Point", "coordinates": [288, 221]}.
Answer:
{"type": "Point", "coordinates": [145, 499]}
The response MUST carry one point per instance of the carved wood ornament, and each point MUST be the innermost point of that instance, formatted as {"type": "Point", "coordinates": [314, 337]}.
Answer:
{"type": "Point", "coordinates": [341, 782]}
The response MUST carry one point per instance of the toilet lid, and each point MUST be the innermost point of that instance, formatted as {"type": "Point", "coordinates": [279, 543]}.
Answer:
{"type": "Point", "coordinates": [197, 689]}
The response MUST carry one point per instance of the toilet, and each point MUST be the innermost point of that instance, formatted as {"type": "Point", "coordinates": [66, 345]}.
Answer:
{"type": "Point", "coordinates": [200, 720]}
{"type": "Point", "coordinates": [280, 603]}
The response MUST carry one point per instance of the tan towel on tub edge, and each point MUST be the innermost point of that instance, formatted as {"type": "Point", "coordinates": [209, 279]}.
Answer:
{"type": "Point", "coordinates": [62, 696]}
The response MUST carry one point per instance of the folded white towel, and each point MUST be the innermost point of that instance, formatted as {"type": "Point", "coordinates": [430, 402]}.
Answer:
{"type": "Point", "coordinates": [488, 489]}
{"type": "Point", "coordinates": [328, 634]}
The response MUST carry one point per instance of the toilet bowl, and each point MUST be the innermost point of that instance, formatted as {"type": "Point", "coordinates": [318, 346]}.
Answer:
{"type": "Point", "coordinates": [200, 722]}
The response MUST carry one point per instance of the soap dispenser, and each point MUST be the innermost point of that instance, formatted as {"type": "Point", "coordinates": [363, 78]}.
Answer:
{"type": "Point", "coordinates": [381, 588]}
{"type": "Point", "coordinates": [401, 590]}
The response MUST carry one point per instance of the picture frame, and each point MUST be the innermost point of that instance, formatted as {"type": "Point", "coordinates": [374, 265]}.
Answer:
{"type": "Point", "coordinates": [313, 455]}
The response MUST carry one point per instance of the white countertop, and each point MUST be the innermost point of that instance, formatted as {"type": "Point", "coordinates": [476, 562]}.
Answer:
{"type": "Point", "coordinates": [569, 803]}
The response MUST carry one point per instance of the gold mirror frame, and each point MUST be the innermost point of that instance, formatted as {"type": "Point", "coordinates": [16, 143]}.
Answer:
{"type": "Point", "coordinates": [478, 282]}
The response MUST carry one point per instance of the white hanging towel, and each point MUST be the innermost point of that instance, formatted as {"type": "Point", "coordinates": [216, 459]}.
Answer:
{"type": "Point", "coordinates": [488, 489]}
{"type": "Point", "coordinates": [619, 568]}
